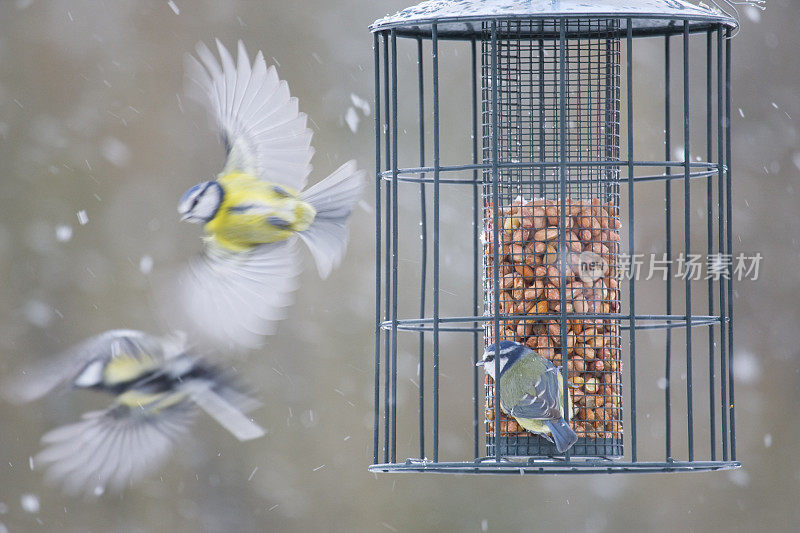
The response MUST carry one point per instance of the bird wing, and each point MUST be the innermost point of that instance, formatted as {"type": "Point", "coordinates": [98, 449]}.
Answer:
{"type": "Point", "coordinates": [264, 133]}
{"type": "Point", "coordinates": [540, 402]}
{"type": "Point", "coordinates": [109, 449]}
{"type": "Point", "coordinates": [34, 382]}
{"type": "Point", "coordinates": [234, 299]}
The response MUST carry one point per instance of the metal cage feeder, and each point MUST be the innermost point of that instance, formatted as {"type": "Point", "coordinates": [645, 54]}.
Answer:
{"type": "Point", "coordinates": [549, 162]}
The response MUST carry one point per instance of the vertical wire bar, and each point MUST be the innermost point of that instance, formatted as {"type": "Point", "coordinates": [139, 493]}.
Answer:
{"type": "Point", "coordinates": [729, 206]}
{"type": "Point", "coordinates": [388, 237]}
{"type": "Point", "coordinates": [562, 244]}
{"type": "Point", "coordinates": [710, 240]}
{"type": "Point", "coordinates": [378, 249]}
{"type": "Point", "coordinates": [668, 223]}
{"type": "Point", "coordinates": [435, 65]}
{"type": "Point", "coordinates": [632, 284]}
{"type": "Point", "coordinates": [496, 237]}
{"type": "Point", "coordinates": [394, 246]}
{"type": "Point", "coordinates": [723, 325]}
{"type": "Point", "coordinates": [611, 136]}
{"type": "Point", "coordinates": [612, 172]}
{"type": "Point", "coordinates": [515, 135]}
{"type": "Point", "coordinates": [424, 250]}
{"type": "Point", "coordinates": [542, 115]}
{"type": "Point", "coordinates": [475, 245]}
{"type": "Point", "coordinates": [687, 236]}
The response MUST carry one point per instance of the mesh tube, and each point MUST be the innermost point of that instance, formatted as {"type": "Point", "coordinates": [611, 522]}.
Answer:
{"type": "Point", "coordinates": [532, 260]}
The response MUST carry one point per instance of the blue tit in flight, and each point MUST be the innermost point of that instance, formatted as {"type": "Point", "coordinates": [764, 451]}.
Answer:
{"type": "Point", "coordinates": [532, 391]}
{"type": "Point", "coordinates": [254, 211]}
{"type": "Point", "coordinates": [157, 385]}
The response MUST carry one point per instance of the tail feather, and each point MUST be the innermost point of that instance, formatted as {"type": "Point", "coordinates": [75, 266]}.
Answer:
{"type": "Point", "coordinates": [226, 414]}
{"type": "Point", "coordinates": [333, 198]}
{"type": "Point", "coordinates": [563, 435]}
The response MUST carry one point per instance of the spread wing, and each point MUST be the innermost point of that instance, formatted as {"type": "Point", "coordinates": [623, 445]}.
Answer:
{"type": "Point", "coordinates": [234, 299]}
{"type": "Point", "coordinates": [264, 133]}
{"type": "Point", "coordinates": [109, 449]}
{"type": "Point", "coordinates": [34, 382]}
{"type": "Point", "coordinates": [541, 400]}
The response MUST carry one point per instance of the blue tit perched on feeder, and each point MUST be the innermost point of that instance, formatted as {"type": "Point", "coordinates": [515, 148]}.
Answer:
{"type": "Point", "coordinates": [255, 209]}
{"type": "Point", "coordinates": [532, 391]}
{"type": "Point", "coordinates": [158, 387]}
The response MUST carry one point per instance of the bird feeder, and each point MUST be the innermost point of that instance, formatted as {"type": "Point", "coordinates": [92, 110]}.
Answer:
{"type": "Point", "coordinates": [545, 142]}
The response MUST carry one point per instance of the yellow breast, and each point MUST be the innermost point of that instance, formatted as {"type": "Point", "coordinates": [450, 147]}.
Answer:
{"type": "Point", "coordinates": [152, 402]}
{"type": "Point", "coordinates": [534, 426]}
{"type": "Point", "coordinates": [249, 209]}
{"type": "Point", "coordinates": [126, 367]}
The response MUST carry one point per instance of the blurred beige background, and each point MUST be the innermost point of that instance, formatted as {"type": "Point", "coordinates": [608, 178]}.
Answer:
{"type": "Point", "coordinates": [92, 118]}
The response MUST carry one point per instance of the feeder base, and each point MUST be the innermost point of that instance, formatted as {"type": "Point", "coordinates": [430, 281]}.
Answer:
{"type": "Point", "coordinates": [488, 465]}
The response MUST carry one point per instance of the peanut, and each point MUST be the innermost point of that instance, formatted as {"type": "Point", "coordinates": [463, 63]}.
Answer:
{"type": "Point", "coordinates": [529, 264]}
{"type": "Point", "coordinates": [517, 253]}
{"type": "Point", "coordinates": [546, 234]}
{"type": "Point", "coordinates": [526, 271]}
{"type": "Point", "coordinates": [539, 218]}
{"type": "Point", "coordinates": [521, 235]}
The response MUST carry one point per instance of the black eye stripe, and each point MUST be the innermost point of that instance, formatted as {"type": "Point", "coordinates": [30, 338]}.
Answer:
{"type": "Point", "coordinates": [202, 191]}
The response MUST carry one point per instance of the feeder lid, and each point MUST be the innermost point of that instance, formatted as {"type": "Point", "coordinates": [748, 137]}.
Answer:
{"type": "Point", "coordinates": [462, 18]}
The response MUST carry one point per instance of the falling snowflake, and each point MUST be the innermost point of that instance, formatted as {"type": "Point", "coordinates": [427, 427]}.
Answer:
{"type": "Point", "coordinates": [352, 119]}
{"type": "Point", "coordinates": [116, 152]}
{"type": "Point", "coordinates": [146, 264]}
{"type": "Point", "coordinates": [29, 503]}
{"type": "Point", "coordinates": [361, 104]}
{"type": "Point", "coordinates": [38, 313]}
{"type": "Point", "coordinates": [63, 233]}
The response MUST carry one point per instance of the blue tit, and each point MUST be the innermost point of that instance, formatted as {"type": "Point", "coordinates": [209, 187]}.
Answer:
{"type": "Point", "coordinates": [254, 211]}
{"type": "Point", "coordinates": [532, 391]}
{"type": "Point", "coordinates": [157, 386]}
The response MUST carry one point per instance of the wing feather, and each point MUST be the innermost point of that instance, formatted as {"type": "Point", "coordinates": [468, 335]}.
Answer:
{"type": "Point", "coordinates": [234, 299]}
{"type": "Point", "coordinates": [541, 402]}
{"type": "Point", "coordinates": [264, 132]}
{"type": "Point", "coordinates": [109, 449]}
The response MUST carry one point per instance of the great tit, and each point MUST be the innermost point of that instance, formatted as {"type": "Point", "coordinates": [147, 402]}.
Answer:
{"type": "Point", "coordinates": [157, 385]}
{"type": "Point", "coordinates": [256, 208]}
{"type": "Point", "coordinates": [532, 391]}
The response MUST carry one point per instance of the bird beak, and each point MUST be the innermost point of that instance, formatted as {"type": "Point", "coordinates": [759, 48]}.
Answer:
{"type": "Point", "coordinates": [479, 363]}
{"type": "Point", "coordinates": [184, 216]}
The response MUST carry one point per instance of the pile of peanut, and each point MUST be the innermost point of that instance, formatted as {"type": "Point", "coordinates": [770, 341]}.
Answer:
{"type": "Point", "coordinates": [529, 273]}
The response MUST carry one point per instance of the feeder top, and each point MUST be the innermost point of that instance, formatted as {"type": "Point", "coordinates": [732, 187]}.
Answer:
{"type": "Point", "coordinates": [461, 19]}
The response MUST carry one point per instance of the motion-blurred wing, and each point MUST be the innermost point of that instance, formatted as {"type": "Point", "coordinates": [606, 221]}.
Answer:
{"type": "Point", "coordinates": [107, 450]}
{"type": "Point", "coordinates": [541, 403]}
{"type": "Point", "coordinates": [35, 382]}
{"type": "Point", "coordinates": [264, 133]}
{"type": "Point", "coordinates": [233, 299]}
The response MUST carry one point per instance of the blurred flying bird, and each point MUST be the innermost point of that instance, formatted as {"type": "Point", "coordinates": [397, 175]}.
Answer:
{"type": "Point", "coordinates": [255, 209]}
{"type": "Point", "coordinates": [532, 391]}
{"type": "Point", "coordinates": [157, 387]}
